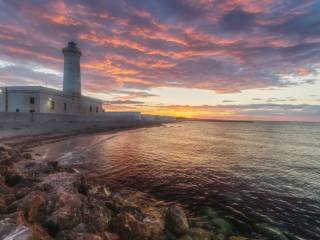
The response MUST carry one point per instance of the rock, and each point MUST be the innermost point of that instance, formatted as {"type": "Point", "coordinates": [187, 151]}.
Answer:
{"type": "Point", "coordinates": [5, 153]}
{"type": "Point", "coordinates": [237, 238]}
{"type": "Point", "coordinates": [210, 213]}
{"type": "Point", "coordinates": [87, 236]}
{"type": "Point", "coordinates": [96, 215]}
{"type": "Point", "coordinates": [185, 237]}
{"type": "Point", "coordinates": [4, 189]}
{"type": "Point", "coordinates": [135, 223]}
{"type": "Point", "coordinates": [27, 156]}
{"type": "Point", "coordinates": [66, 210]}
{"type": "Point", "coordinates": [12, 177]}
{"type": "Point", "coordinates": [4, 157]}
{"type": "Point", "coordinates": [223, 226]}
{"type": "Point", "coordinates": [3, 206]}
{"type": "Point", "coordinates": [53, 164]}
{"type": "Point", "coordinates": [110, 236]}
{"type": "Point", "coordinates": [176, 220]}
{"type": "Point", "coordinates": [199, 234]}
{"type": "Point", "coordinates": [271, 232]}
{"type": "Point", "coordinates": [10, 230]}
{"type": "Point", "coordinates": [5, 148]}
{"type": "Point", "coordinates": [31, 205]}
{"type": "Point", "coordinates": [62, 182]}
{"type": "Point", "coordinates": [32, 169]}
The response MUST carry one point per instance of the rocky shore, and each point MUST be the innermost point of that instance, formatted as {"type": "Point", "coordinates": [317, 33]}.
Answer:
{"type": "Point", "coordinates": [46, 200]}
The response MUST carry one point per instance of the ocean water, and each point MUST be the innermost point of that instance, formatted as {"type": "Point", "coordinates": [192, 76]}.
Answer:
{"type": "Point", "coordinates": [249, 173]}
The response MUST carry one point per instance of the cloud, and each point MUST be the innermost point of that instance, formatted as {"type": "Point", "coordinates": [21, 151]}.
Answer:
{"type": "Point", "coordinates": [262, 112]}
{"type": "Point", "coordinates": [237, 20]}
{"type": "Point", "coordinates": [223, 46]}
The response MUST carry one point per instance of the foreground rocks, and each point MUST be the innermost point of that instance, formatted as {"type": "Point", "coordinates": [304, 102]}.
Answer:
{"type": "Point", "coordinates": [42, 200]}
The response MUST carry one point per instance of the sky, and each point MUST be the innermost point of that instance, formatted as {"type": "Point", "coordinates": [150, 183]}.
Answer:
{"type": "Point", "coordinates": [217, 59]}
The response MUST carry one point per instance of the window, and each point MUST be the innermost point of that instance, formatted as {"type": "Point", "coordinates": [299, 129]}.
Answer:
{"type": "Point", "coordinates": [65, 107]}
{"type": "Point", "coordinates": [17, 110]}
{"type": "Point", "coordinates": [90, 108]}
{"type": "Point", "coordinates": [52, 105]}
{"type": "Point", "coordinates": [32, 111]}
{"type": "Point", "coordinates": [97, 109]}
{"type": "Point", "coordinates": [32, 100]}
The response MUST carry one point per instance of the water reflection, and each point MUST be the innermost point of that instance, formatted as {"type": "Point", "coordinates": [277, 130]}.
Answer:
{"type": "Point", "coordinates": [267, 172]}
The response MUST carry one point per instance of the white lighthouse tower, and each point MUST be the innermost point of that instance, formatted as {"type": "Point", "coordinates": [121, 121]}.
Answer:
{"type": "Point", "coordinates": [72, 76]}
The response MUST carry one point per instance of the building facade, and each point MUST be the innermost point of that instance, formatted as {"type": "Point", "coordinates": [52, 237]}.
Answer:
{"type": "Point", "coordinates": [47, 100]}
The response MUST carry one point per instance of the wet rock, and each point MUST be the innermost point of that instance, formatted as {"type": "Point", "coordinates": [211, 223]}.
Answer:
{"type": "Point", "coordinates": [27, 156]}
{"type": "Point", "coordinates": [4, 157]}
{"type": "Point", "coordinates": [270, 231]}
{"type": "Point", "coordinates": [185, 237]}
{"type": "Point", "coordinates": [5, 148]}
{"type": "Point", "coordinates": [53, 164]}
{"type": "Point", "coordinates": [32, 205]}
{"type": "Point", "coordinates": [51, 227]}
{"type": "Point", "coordinates": [96, 215]}
{"type": "Point", "coordinates": [223, 226]}
{"type": "Point", "coordinates": [135, 223]}
{"type": "Point", "coordinates": [32, 169]}
{"type": "Point", "coordinates": [67, 210]}
{"type": "Point", "coordinates": [4, 189]}
{"type": "Point", "coordinates": [12, 177]}
{"type": "Point", "coordinates": [197, 234]}
{"type": "Point", "coordinates": [5, 153]}
{"type": "Point", "coordinates": [10, 230]}
{"type": "Point", "coordinates": [62, 182]}
{"type": "Point", "coordinates": [176, 220]}
{"type": "Point", "coordinates": [75, 234]}
{"type": "Point", "coordinates": [87, 236]}
{"type": "Point", "coordinates": [83, 186]}
{"type": "Point", "coordinates": [3, 206]}
{"type": "Point", "coordinates": [200, 234]}
{"type": "Point", "coordinates": [110, 236]}
{"type": "Point", "coordinates": [210, 213]}
{"type": "Point", "coordinates": [237, 238]}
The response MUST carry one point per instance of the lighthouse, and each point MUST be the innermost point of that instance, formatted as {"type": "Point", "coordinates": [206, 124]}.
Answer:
{"type": "Point", "coordinates": [39, 99]}
{"type": "Point", "coordinates": [72, 76]}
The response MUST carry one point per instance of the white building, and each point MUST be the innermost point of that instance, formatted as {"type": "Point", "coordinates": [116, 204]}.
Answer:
{"type": "Point", "coordinates": [47, 100]}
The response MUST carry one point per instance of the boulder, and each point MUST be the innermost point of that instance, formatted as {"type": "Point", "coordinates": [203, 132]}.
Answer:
{"type": "Point", "coordinates": [224, 227]}
{"type": "Point", "coordinates": [62, 182]}
{"type": "Point", "coordinates": [200, 234]}
{"type": "Point", "coordinates": [5, 148]}
{"type": "Point", "coordinates": [10, 230]}
{"type": "Point", "coordinates": [270, 231]}
{"type": "Point", "coordinates": [135, 223]}
{"type": "Point", "coordinates": [27, 156]}
{"type": "Point", "coordinates": [33, 169]}
{"type": "Point", "coordinates": [176, 220]}
{"type": "Point", "coordinates": [31, 205]}
{"type": "Point", "coordinates": [66, 212]}
{"type": "Point", "coordinates": [237, 238]}
{"type": "Point", "coordinates": [5, 153]}
{"type": "Point", "coordinates": [96, 215]}
{"type": "Point", "coordinates": [12, 177]}
{"type": "Point", "coordinates": [110, 236]}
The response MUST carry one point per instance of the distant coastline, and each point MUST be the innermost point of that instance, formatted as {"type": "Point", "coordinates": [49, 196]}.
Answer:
{"type": "Point", "coordinates": [212, 120]}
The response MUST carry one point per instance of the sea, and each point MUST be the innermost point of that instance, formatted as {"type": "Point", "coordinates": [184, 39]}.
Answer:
{"type": "Point", "coordinates": [252, 175]}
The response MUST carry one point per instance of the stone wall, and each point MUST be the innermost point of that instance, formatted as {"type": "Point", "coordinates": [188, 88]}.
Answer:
{"type": "Point", "coordinates": [50, 117]}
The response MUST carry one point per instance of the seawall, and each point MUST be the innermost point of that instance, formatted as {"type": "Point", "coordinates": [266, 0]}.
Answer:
{"type": "Point", "coordinates": [31, 124]}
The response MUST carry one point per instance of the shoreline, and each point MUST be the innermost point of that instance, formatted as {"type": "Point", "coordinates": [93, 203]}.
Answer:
{"type": "Point", "coordinates": [43, 200]}
{"type": "Point", "coordinates": [46, 200]}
